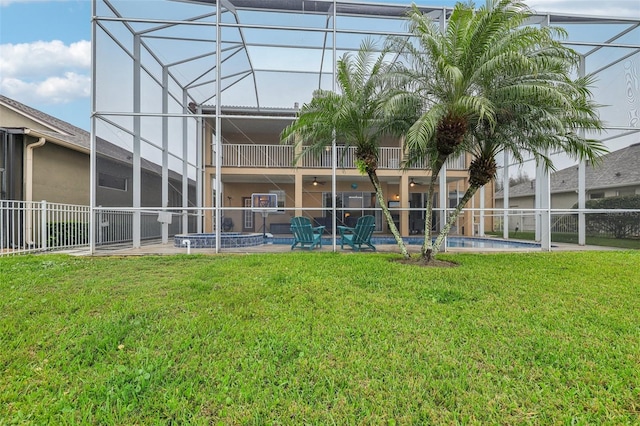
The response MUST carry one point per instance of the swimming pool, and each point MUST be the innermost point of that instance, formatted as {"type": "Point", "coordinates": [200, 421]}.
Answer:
{"type": "Point", "coordinates": [238, 239]}
{"type": "Point", "coordinates": [452, 242]}
{"type": "Point", "coordinates": [477, 242]}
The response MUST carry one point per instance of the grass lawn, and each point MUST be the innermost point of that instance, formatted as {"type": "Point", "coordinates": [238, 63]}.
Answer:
{"type": "Point", "coordinates": [320, 338]}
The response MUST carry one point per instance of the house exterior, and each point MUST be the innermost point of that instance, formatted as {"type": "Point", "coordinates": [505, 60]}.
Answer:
{"type": "Point", "coordinates": [617, 174]}
{"type": "Point", "coordinates": [253, 160]}
{"type": "Point", "coordinates": [44, 158]}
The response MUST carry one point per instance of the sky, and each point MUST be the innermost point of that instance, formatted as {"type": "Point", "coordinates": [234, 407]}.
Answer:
{"type": "Point", "coordinates": [46, 63]}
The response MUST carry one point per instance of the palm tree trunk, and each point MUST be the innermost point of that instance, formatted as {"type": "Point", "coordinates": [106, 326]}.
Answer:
{"type": "Point", "coordinates": [427, 246]}
{"type": "Point", "coordinates": [470, 192]}
{"type": "Point", "coordinates": [373, 176]}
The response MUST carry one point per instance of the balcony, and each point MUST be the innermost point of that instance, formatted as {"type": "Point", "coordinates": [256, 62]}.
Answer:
{"type": "Point", "coordinates": [281, 156]}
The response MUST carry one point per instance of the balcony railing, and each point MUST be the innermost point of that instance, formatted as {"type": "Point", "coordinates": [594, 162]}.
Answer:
{"type": "Point", "coordinates": [279, 156]}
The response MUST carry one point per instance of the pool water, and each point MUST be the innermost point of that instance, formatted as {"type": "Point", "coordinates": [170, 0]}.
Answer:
{"type": "Point", "coordinates": [468, 242]}
{"type": "Point", "coordinates": [452, 242]}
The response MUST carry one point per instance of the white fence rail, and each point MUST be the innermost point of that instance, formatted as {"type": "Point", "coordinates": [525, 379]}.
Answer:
{"type": "Point", "coordinates": [115, 226]}
{"type": "Point", "coordinates": [32, 227]}
{"type": "Point", "coordinates": [250, 155]}
{"type": "Point", "coordinates": [27, 226]}
{"type": "Point", "coordinates": [619, 224]}
{"type": "Point", "coordinates": [268, 156]}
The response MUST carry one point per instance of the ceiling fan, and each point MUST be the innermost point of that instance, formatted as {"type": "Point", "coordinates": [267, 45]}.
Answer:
{"type": "Point", "coordinates": [413, 183]}
{"type": "Point", "coordinates": [316, 182]}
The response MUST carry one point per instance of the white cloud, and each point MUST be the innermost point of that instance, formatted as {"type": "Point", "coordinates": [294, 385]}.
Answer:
{"type": "Point", "coordinates": [43, 57]}
{"type": "Point", "coordinates": [53, 90]}
{"type": "Point", "coordinates": [47, 72]}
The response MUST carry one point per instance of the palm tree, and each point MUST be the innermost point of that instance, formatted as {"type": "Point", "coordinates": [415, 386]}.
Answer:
{"type": "Point", "coordinates": [550, 121]}
{"type": "Point", "coordinates": [461, 74]}
{"type": "Point", "coordinates": [357, 116]}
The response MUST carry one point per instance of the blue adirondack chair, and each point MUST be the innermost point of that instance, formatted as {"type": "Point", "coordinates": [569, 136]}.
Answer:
{"type": "Point", "coordinates": [305, 235]}
{"type": "Point", "coordinates": [359, 235]}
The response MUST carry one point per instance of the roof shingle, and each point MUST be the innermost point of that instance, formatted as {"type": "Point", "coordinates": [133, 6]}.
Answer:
{"type": "Point", "coordinates": [615, 169]}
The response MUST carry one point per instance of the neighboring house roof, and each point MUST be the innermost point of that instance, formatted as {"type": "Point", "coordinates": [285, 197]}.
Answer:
{"type": "Point", "coordinates": [615, 169]}
{"type": "Point", "coordinates": [41, 117]}
{"type": "Point", "coordinates": [70, 136]}
{"type": "Point", "coordinates": [52, 127]}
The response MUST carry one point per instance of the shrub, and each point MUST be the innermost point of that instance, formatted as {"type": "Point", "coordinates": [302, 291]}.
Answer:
{"type": "Point", "coordinates": [618, 225]}
{"type": "Point", "coordinates": [60, 234]}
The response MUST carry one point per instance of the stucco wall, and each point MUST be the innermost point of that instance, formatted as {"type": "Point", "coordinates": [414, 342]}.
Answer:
{"type": "Point", "coordinates": [151, 185]}
{"type": "Point", "coordinates": [60, 175]}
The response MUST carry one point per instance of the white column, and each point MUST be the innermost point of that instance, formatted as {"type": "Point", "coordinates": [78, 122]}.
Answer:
{"type": "Point", "coordinates": [165, 151]}
{"type": "Point", "coordinates": [136, 178]}
{"type": "Point", "coordinates": [541, 191]}
{"type": "Point", "coordinates": [505, 192]}
{"type": "Point", "coordinates": [334, 148]}
{"type": "Point", "coordinates": [185, 163]}
{"type": "Point", "coordinates": [218, 135]}
{"type": "Point", "coordinates": [444, 201]}
{"type": "Point", "coordinates": [538, 196]}
{"type": "Point", "coordinates": [481, 224]}
{"type": "Point", "coordinates": [582, 178]}
{"type": "Point", "coordinates": [94, 225]}
{"type": "Point", "coordinates": [582, 228]}
{"type": "Point", "coordinates": [200, 140]}
{"type": "Point", "coordinates": [545, 207]}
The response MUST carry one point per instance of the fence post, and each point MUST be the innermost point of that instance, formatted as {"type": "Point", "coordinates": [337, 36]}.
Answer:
{"type": "Point", "coordinates": [43, 225]}
{"type": "Point", "coordinates": [98, 228]}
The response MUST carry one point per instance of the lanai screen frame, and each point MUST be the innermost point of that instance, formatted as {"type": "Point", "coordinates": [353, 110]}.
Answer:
{"type": "Point", "coordinates": [332, 10]}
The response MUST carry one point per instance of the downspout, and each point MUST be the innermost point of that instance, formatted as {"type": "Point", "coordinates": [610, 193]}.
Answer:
{"type": "Point", "coordinates": [29, 188]}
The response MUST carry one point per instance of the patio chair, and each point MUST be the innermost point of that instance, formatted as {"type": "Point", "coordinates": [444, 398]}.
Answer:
{"type": "Point", "coordinates": [305, 235]}
{"type": "Point", "coordinates": [227, 224]}
{"type": "Point", "coordinates": [359, 235]}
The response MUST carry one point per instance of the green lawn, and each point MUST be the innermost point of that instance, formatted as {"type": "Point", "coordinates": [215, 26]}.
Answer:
{"type": "Point", "coordinates": [320, 338]}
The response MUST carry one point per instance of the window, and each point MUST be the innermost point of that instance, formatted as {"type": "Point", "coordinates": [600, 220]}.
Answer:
{"type": "Point", "coordinates": [626, 192]}
{"type": "Point", "coordinates": [112, 182]}
{"type": "Point", "coordinates": [351, 205]}
{"type": "Point", "coordinates": [596, 195]}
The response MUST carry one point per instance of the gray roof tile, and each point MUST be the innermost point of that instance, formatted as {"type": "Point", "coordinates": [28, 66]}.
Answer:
{"type": "Point", "coordinates": [55, 123]}
{"type": "Point", "coordinates": [615, 169]}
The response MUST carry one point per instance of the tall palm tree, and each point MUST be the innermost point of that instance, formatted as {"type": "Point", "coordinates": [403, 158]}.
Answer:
{"type": "Point", "coordinates": [550, 121]}
{"type": "Point", "coordinates": [460, 76]}
{"type": "Point", "coordinates": [356, 116]}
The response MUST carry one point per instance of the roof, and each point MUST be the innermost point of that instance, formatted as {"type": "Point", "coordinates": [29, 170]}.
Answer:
{"type": "Point", "coordinates": [58, 129]}
{"type": "Point", "coordinates": [615, 169]}
{"type": "Point", "coordinates": [70, 136]}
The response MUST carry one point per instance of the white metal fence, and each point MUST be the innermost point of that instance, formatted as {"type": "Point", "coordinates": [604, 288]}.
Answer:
{"type": "Point", "coordinates": [32, 227]}
{"type": "Point", "coordinates": [620, 224]}
{"type": "Point", "coordinates": [27, 226]}
{"type": "Point", "coordinates": [115, 226]}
